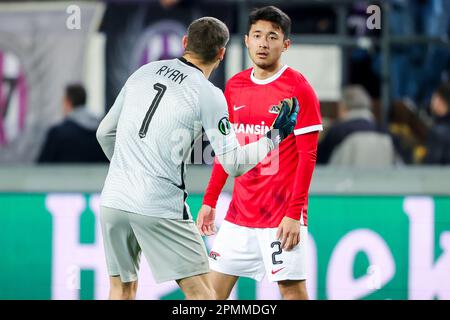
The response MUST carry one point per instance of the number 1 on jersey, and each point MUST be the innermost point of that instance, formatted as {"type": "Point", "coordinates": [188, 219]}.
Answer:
{"type": "Point", "coordinates": [151, 111]}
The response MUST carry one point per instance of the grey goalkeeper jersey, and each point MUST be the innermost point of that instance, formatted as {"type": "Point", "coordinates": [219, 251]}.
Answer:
{"type": "Point", "coordinates": [149, 131]}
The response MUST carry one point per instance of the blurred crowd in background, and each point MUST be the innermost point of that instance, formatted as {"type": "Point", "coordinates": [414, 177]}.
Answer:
{"type": "Point", "coordinates": [414, 128]}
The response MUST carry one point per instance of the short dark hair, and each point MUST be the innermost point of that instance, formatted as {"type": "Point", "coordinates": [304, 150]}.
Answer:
{"type": "Point", "coordinates": [76, 94]}
{"type": "Point", "coordinates": [443, 91]}
{"type": "Point", "coordinates": [272, 14]}
{"type": "Point", "coordinates": [356, 97]}
{"type": "Point", "coordinates": [205, 37]}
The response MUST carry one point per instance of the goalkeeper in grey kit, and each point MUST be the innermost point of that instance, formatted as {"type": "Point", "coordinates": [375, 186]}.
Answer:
{"type": "Point", "coordinates": [143, 201]}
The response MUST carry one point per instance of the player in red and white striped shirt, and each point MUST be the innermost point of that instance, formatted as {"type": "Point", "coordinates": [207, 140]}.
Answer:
{"type": "Point", "coordinates": [265, 229]}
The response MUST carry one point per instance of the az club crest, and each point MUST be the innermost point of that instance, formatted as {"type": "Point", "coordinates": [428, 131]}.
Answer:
{"type": "Point", "coordinates": [214, 255]}
{"type": "Point", "coordinates": [275, 109]}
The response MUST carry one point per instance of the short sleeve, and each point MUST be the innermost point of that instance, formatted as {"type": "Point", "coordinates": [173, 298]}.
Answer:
{"type": "Point", "coordinates": [215, 120]}
{"type": "Point", "coordinates": [309, 117]}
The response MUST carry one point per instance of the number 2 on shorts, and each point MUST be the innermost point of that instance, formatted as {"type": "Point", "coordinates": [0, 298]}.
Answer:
{"type": "Point", "coordinates": [274, 255]}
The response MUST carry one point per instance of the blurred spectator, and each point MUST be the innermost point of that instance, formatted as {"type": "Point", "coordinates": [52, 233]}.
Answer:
{"type": "Point", "coordinates": [408, 131]}
{"type": "Point", "coordinates": [438, 141]}
{"type": "Point", "coordinates": [74, 139]}
{"type": "Point", "coordinates": [356, 138]}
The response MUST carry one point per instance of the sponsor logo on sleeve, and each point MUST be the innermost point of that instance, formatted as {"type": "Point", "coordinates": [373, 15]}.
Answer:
{"type": "Point", "coordinates": [224, 126]}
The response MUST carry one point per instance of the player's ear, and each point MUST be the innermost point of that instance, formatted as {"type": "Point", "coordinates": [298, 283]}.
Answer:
{"type": "Point", "coordinates": [286, 44]}
{"type": "Point", "coordinates": [246, 40]}
{"type": "Point", "coordinates": [184, 41]}
{"type": "Point", "coordinates": [221, 53]}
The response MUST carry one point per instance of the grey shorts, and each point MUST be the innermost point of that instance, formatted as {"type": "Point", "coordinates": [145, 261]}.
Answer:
{"type": "Point", "coordinates": [174, 249]}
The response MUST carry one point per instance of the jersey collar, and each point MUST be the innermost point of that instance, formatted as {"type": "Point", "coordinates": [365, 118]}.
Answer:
{"type": "Point", "coordinates": [270, 79]}
{"type": "Point", "coordinates": [182, 59]}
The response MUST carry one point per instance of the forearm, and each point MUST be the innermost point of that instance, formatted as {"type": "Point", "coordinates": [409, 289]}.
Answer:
{"type": "Point", "coordinates": [244, 158]}
{"type": "Point", "coordinates": [106, 132]}
{"type": "Point", "coordinates": [307, 155]}
{"type": "Point", "coordinates": [216, 182]}
{"type": "Point", "coordinates": [106, 137]}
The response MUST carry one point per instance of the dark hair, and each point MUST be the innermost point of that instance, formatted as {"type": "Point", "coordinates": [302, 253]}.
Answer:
{"type": "Point", "coordinates": [205, 37]}
{"type": "Point", "coordinates": [272, 14]}
{"type": "Point", "coordinates": [443, 91]}
{"type": "Point", "coordinates": [76, 94]}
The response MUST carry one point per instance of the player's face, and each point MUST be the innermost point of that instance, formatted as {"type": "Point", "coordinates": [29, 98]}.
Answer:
{"type": "Point", "coordinates": [265, 43]}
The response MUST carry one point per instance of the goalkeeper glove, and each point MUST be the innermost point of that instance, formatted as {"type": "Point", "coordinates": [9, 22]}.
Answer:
{"type": "Point", "coordinates": [285, 121]}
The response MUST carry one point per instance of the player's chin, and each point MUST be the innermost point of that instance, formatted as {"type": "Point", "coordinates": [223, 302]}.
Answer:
{"type": "Point", "coordinates": [263, 64]}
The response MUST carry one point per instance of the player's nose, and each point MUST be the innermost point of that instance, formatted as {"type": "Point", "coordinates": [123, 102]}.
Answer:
{"type": "Point", "coordinates": [263, 43]}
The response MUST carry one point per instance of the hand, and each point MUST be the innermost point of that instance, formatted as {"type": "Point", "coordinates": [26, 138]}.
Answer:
{"type": "Point", "coordinates": [205, 220]}
{"type": "Point", "coordinates": [285, 121]}
{"type": "Point", "coordinates": [289, 233]}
